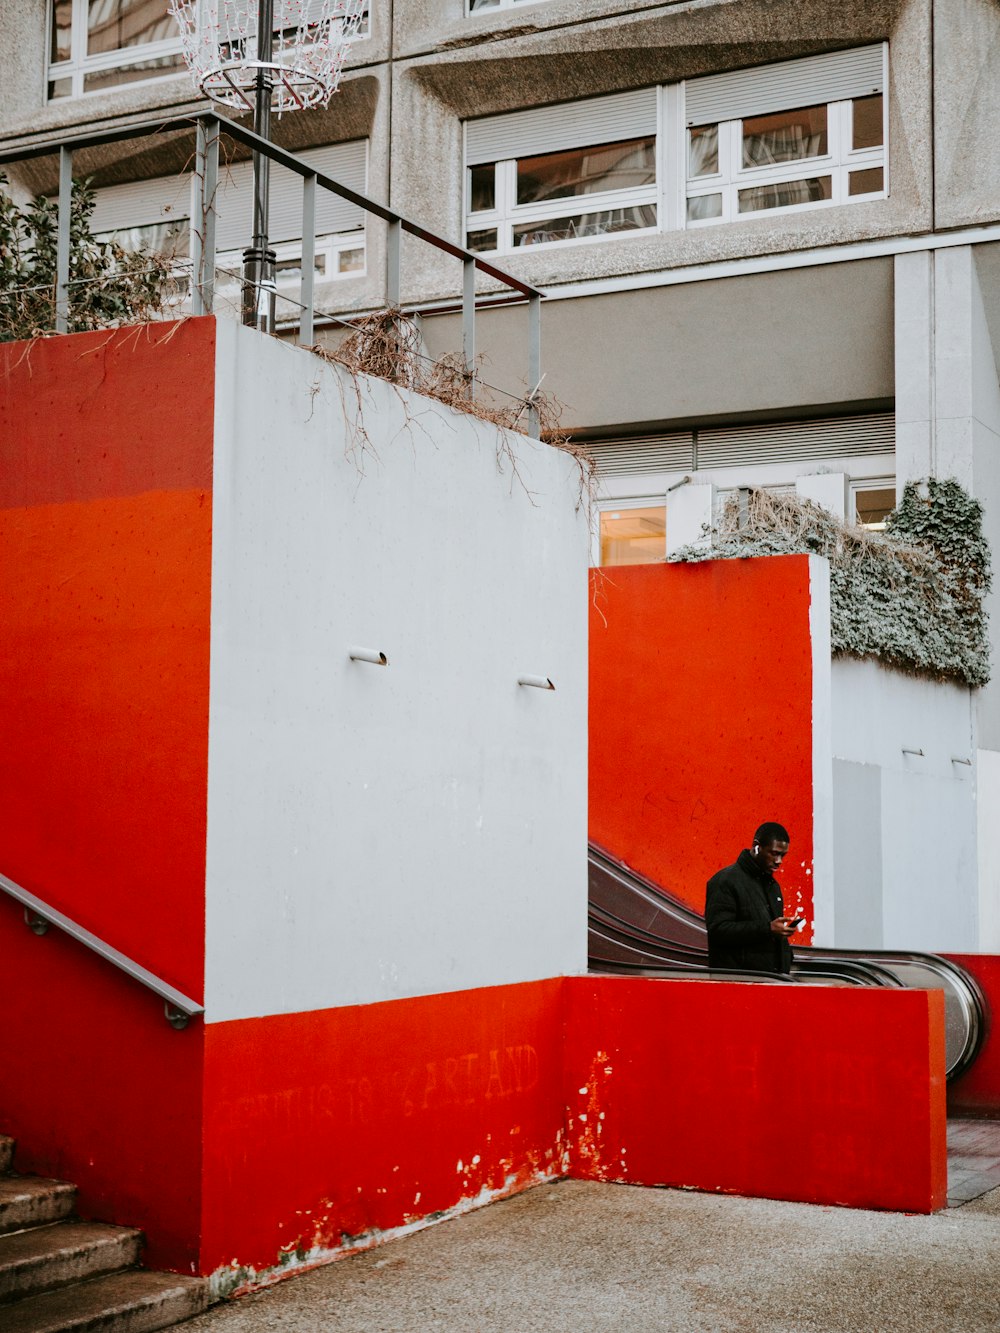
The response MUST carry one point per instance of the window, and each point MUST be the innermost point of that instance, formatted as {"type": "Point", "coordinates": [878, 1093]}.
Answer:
{"type": "Point", "coordinates": [873, 502]}
{"type": "Point", "coordinates": [481, 6]}
{"type": "Point", "coordinates": [573, 195]}
{"type": "Point", "coordinates": [803, 134]}
{"type": "Point", "coordinates": [802, 156]}
{"type": "Point", "coordinates": [98, 44]}
{"type": "Point", "coordinates": [635, 536]}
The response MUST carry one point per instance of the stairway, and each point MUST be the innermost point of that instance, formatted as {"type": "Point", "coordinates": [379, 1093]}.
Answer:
{"type": "Point", "coordinates": [58, 1274]}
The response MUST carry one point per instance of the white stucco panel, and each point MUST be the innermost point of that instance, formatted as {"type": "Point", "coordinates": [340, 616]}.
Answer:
{"type": "Point", "coordinates": [916, 737]}
{"type": "Point", "coordinates": [388, 831]}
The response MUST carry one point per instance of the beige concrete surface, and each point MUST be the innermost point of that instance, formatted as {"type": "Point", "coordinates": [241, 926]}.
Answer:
{"type": "Point", "coordinates": [576, 1257]}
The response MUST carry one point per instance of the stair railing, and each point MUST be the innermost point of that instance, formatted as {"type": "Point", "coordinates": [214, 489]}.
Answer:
{"type": "Point", "coordinates": [178, 1008]}
{"type": "Point", "coordinates": [208, 128]}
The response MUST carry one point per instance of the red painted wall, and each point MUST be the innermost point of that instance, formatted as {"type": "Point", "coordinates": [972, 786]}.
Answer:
{"type": "Point", "coordinates": [97, 1088]}
{"type": "Point", "coordinates": [701, 717]}
{"type": "Point", "coordinates": [105, 546]}
{"type": "Point", "coordinates": [977, 1092]}
{"type": "Point", "coordinates": [759, 1090]}
{"type": "Point", "coordinates": [105, 543]}
{"type": "Point", "coordinates": [327, 1128]}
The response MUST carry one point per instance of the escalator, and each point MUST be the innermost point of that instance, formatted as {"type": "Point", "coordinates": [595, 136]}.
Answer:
{"type": "Point", "coordinates": [639, 929]}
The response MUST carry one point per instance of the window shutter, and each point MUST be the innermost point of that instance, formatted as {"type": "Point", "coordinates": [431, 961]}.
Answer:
{"type": "Point", "coordinates": [798, 441]}
{"type": "Point", "coordinates": [742, 446]}
{"type": "Point", "coordinates": [550, 129]}
{"type": "Point", "coordinates": [345, 162]}
{"type": "Point", "coordinates": [642, 453]}
{"type": "Point", "coordinates": [141, 203]}
{"type": "Point", "coordinates": [831, 77]}
{"type": "Point", "coordinates": [164, 198]}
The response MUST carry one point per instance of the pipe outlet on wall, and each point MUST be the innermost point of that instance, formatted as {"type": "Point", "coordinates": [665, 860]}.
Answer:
{"type": "Point", "coordinates": [539, 682]}
{"type": "Point", "coordinates": [371, 655]}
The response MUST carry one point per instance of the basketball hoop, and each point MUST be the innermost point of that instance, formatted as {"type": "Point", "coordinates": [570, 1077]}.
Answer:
{"type": "Point", "coordinates": [309, 42]}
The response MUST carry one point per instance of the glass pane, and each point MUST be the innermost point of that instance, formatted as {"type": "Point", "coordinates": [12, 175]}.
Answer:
{"type": "Point", "coordinates": [60, 88]}
{"type": "Point", "coordinates": [865, 182]}
{"type": "Point", "coordinates": [288, 270]}
{"type": "Point", "coordinates": [704, 206]}
{"type": "Point", "coordinates": [633, 536]}
{"type": "Point", "coordinates": [171, 239]}
{"type": "Point", "coordinates": [482, 187]}
{"type": "Point", "coordinates": [113, 25]}
{"type": "Point", "coordinates": [786, 136]}
{"type": "Point", "coordinates": [145, 69]}
{"type": "Point", "coordinates": [476, 5]}
{"type": "Point", "coordinates": [873, 506]}
{"type": "Point", "coordinates": [616, 166]}
{"type": "Point", "coordinates": [867, 122]}
{"type": "Point", "coordinates": [351, 261]}
{"type": "Point", "coordinates": [585, 225]}
{"type": "Point", "coordinates": [784, 194]}
{"type": "Point", "coordinates": [481, 240]}
{"type": "Point", "coordinates": [703, 151]}
{"type": "Point", "coordinates": [60, 47]}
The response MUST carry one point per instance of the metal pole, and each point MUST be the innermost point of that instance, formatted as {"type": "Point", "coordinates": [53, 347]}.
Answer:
{"type": "Point", "coordinates": [198, 220]}
{"type": "Point", "coordinates": [306, 298]}
{"type": "Point", "coordinates": [393, 264]}
{"type": "Point", "coordinates": [209, 190]}
{"type": "Point", "coordinates": [63, 239]}
{"type": "Point", "coordinates": [469, 323]}
{"type": "Point", "coordinates": [534, 360]}
{"type": "Point", "coordinates": [259, 260]}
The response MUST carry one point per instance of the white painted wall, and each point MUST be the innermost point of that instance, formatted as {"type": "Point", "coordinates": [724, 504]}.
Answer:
{"type": "Point", "coordinates": [824, 878]}
{"type": "Point", "coordinates": [379, 832]}
{"type": "Point", "coordinates": [904, 823]}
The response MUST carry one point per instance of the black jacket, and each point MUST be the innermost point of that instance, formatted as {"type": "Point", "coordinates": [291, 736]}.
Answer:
{"type": "Point", "coordinates": [741, 901]}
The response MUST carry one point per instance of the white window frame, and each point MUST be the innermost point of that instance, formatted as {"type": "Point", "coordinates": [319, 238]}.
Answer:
{"type": "Point", "coordinates": [838, 162]}
{"type": "Point", "coordinates": [858, 484]}
{"type": "Point", "coordinates": [80, 64]}
{"type": "Point", "coordinates": [507, 213]}
{"type": "Point", "coordinates": [670, 193]}
{"type": "Point", "coordinates": [328, 248]}
{"type": "Point", "coordinates": [493, 8]}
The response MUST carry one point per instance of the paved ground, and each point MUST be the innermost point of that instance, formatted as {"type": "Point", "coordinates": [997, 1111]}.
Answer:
{"type": "Point", "coordinates": [583, 1258]}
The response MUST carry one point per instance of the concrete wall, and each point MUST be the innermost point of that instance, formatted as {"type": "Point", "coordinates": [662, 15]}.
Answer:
{"type": "Point", "coordinates": [377, 832]}
{"type": "Point", "coordinates": [771, 342]}
{"type": "Point", "coordinates": [905, 857]}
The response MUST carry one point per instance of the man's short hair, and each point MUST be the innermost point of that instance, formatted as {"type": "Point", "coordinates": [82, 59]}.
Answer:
{"type": "Point", "coordinates": [770, 832]}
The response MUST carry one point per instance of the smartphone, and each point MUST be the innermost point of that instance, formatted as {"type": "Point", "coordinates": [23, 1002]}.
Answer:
{"type": "Point", "coordinates": [797, 921]}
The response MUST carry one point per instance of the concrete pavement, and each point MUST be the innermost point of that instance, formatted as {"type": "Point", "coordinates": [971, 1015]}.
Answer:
{"type": "Point", "coordinates": [576, 1257]}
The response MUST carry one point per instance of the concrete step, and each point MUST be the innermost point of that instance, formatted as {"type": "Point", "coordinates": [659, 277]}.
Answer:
{"type": "Point", "coordinates": [31, 1201]}
{"type": "Point", "coordinates": [132, 1302]}
{"type": "Point", "coordinates": [63, 1252]}
{"type": "Point", "coordinates": [6, 1153]}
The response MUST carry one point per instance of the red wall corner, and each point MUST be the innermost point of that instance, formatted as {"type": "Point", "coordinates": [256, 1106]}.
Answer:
{"type": "Point", "coordinates": [701, 717]}
{"type": "Point", "coordinates": [759, 1090]}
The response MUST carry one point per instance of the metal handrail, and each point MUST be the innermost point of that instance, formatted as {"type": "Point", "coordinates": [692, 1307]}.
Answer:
{"type": "Point", "coordinates": [38, 915]}
{"type": "Point", "coordinates": [208, 127]}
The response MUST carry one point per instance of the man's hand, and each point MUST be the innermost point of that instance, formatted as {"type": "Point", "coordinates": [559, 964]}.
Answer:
{"type": "Point", "coordinates": [785, 925]}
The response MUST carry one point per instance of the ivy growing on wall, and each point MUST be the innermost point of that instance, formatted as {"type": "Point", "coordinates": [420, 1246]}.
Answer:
{"type": "Point", "coordinates": [911, 596]}
{"type": "Point", "coordinates": [108, 285]}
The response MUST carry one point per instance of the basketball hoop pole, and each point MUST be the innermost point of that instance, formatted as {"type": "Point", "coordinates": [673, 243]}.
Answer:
{"type": "Point", "coordinates": [259, 259]}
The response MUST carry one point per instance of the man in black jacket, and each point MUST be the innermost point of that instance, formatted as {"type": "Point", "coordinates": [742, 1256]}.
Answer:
{"type": "Point", "coordinates": [744, 910]}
